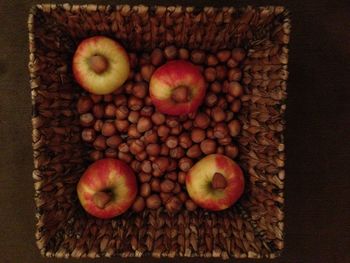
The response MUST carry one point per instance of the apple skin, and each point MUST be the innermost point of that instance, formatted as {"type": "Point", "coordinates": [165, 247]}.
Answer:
{"type": "Point", "coordinates": [108, 81]}
{"type": "Point", "coordinates": [170, 76]}
{"type": "Point", "coordinates": [199, 178]}
{"type": "Point", "coordinates": [105, 174]}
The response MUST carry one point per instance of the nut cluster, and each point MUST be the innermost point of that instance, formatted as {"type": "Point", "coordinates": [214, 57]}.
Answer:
{"type": "Point", "coordinates": [159, 148]}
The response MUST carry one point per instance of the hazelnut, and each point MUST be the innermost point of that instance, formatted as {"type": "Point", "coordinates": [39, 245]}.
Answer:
{"type": "Point", "coordinates": [114, 141]}
{"type": "Point", "coordinates": [218, 114]}
{"type": "Point", "coordinates": [194, 151]}
{"type": "Point", "coordinates": [100, 143]}
{"type": "Point", "coordinates": [198, 56]}
{"type": "Point", "coordinates": [136, 146]}
{"type": "Point", "coordinates": [153, 202]}
{"type": "Point", "coordinates": [220, 150]}
{"type": "Point", "coordinates": [182, 196]}
{"type": "Point", "coordinates": [238, 54]}
{"type": "Point", "coordinates": [135, 103]}
{"type": "Point", "coordinates": [128, 87]}
{"type": "Point", "coordinates": [147, 71]}
{"type": "Point", "coordinates": [222, 103]}
{"type": "Point", "coordinates": [221, 130]}
{"type": "Point", "coordinates": [141, 156]}
{"type": "Point", "coordinates": [171, 142]}
{"type": "Point", "coordinates": [147, 111]}
{"type": "Point", "coordinates": [108, 129]}
{"type": "Point", "coordinates": [212, 60]}
{"type": "Point", "coordinates": [223, 55]}
{"type": "Point", "coordinates": [184, 54]}
{"type": "Point", "coordinates": [145, 189]}
{"type": "Point", "coordinates": [158, 118]}
{"type": "Point", "coordinates": [234, 127]}
{"type": "Point", "coordinates": [190, 205]}
{"type": "Point", "coordinates": [98, 111]}
{"type": "Point", "coordinates": [231, 151]}
{"type": "Point", "coordinates": [231, 63]}
{"type": "Point", "coordinates": [84, 104]}
{"type": "Point", "coordinates": [172, 165]}
{"type": "Point", "coordinates": [126, 157]}
{"type": "Point", "coordinates": [229, 98]}
{"type": "Point", "coordinates": [164, 150]}
{"type": "Point", "coordinates": [145, 58]}
{"type": "Point", "coordinates": [96, 98]}
{"type": "Point", "coordinates": [215, 87]}
{"type": "Point", "coordinates": [155, 185]}
{"type": "Point", "coordinates": [108, 98]}
{"type": "Point", "coordinates": [88, 135]}
{"type": "Point", "coordinates": [133, 60]}
{"type": "Point", "coordinates": [225, 141]}
{"type": "Point", "coordinates": [133, 132]}
{"type": "Point", "coordinates": [157, 57]}
{"type": "Point", "coordinates": [161, 164]}
{"type": "Point", "coordinates": [185, 164]}
{"type": "Point", "coordinates": [110, 110]}
{"type": "Point", "coordinates": [165, 197]}
{"type": "Point", "coordinates": [229, 116]}
{"type": "Point", "coordinates": [150, 137]}
{"type": "Point", "coordinates": [187, 125]}
{"type": "Point", "coordinates": [185, 140]}
{"type": "Point", "coordinates": [163, 131]}
{"type": "Point", "coordinates": [210, 74]}
{"type": "Point", "coordinates": [87, 120]}
{"type": "Point", "coordinates": [170, 52]}
{"type": "Point", "coordinates": [123, 147]}
{"type": "Point", "coordinates": [96, 155]}
{"type": "Point", "coordinates": [122, 125]}
{"type": "Point", "coordinates": [171, 176]}
{"type": "Point", "coordinates": [197, 135]}
{"type": "Point", "coordinates": [111, 153]}
{"type": "Point", "coordinates": [136, 166]}
{"type": "Point", "coordinates": [221, 72]}
{"type": "Point", "coordinates": [140, 90]}
{"type": "Point", "coordinates": [235, 105]}
{"type": "Point", "coordinates": [202, 120]}
{"type": "Point", "coordinates": [234, 74]}
{"type": "Point", "coordinates": [122, 112]}
{"type": "Point", "coordinates": [177, 188]}
{"type": "Point", "coordinates": [167, 186]}
{"type": "Point", "coordinates": [153, 149]}
{"type": "Point", "coordinates": [210, 99]}
{"type": "Point", "coordinates": [208, 146]}
{"type": "Point", "coordinates": [172, 122]}
{"type": "Point", "coordinates": [176, 153]}
{"type": "Point", "coordinates": [148, 101]}
{"type": "Point", "coordinates": [235, 89]}
{"type": "Point", "coordinates": [181, 178]}
{"type": "Point", "coordinates": [137, 77]}
{"type": "Point", "coordinates": [120, 100]}
{"type": "Point", "coordinates": [210, 134]}
{"type": "Point", "coordinates": [98, 125]}
{"type": "Point", "coordinates": [176, 130]}
{"type": "Point", "coordinates": [133, 116]}
{"type": "Point", "coordinates": [139, 204]}
{"type": "Point", "coordinates": [144, 124]}
{"type": "Point", "coordinates": [173, 205]}
{"type": "Point", "coordinates": [146, 166]}
{"type": "Point", "coordinates": [144, 178]}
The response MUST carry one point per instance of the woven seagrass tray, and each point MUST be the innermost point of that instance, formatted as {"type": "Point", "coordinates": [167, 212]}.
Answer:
{"type": "Point", "coordinates": [253, 227]}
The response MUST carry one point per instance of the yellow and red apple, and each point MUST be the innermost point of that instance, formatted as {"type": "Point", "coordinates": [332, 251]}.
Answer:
{"type": "Point", "coordinates": [177, 88]}
{"type": "Point", "coordinates": [215, 182]}
{"type": "Point", "coordinates": [107, 188]}
{"type": "Point", "coordinates": [100, 65]}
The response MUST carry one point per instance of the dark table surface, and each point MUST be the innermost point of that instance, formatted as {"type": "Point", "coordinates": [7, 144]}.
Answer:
{"type": "Point", "coordinates": [317, 137]}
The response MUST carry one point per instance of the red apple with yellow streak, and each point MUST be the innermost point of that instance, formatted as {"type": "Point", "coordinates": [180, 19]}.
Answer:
{"type": "Point", "coordinates": [177, 88]}
{"type": "Point", "coordinates": [107, 188]}
{"type": "Point", "coordinates": [215, 182]}
{"type": "Point", "coordinates": [100, 65]}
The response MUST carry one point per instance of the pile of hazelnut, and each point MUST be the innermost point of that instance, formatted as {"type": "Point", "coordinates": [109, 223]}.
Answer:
{"type": "Point", "coordinates": [162, 148]}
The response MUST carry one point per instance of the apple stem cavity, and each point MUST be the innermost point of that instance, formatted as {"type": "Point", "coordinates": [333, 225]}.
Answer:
{"type": "Point", "coordinates": [98, 64]}
{"type": "Point", "coordinates": [101, 199]}
{"type": "Point", "coordinates": [181, 94]}
{"type": "Point", "coordinates": [218, 182]}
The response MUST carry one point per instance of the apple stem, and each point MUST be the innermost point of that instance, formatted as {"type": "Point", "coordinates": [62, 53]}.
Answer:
{"type": "Point", "coordinates": [181, 94]}
{"type": "Point", "coordinates": [98, 64]}
{"type": "Point", "coordinates": [101, 199]}
{"type": "Point", "coordinates": [218, 181]}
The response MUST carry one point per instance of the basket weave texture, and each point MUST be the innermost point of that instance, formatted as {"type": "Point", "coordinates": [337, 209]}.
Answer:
{"type": "Point", "coordinates": [254, 226]}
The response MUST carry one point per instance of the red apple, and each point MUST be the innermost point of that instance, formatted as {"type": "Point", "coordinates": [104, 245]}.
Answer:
{"type": "Point", "coordinates": [215, 182]}
{"type": "Point", "coordinates": [177, 88]}
{"type": "Point", "coordinates": [107, 188]}
{"type": "Point", "coordinates": [100, 65]}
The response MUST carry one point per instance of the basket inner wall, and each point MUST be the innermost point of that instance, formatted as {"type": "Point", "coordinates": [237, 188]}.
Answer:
{"type": "Point", "coordinates": [253, 227]}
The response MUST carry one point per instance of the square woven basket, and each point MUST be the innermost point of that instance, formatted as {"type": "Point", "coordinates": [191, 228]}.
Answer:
{"type": "Point", "coordinates": [253, 227]}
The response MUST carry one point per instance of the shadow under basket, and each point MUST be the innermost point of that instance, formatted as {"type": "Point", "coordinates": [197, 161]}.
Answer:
{"type": "Point", "coordinates": [253, 227]}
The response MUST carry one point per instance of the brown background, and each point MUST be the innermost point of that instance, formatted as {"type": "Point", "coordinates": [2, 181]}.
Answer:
{"type": "Point", "coordinates": [317, 136]}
